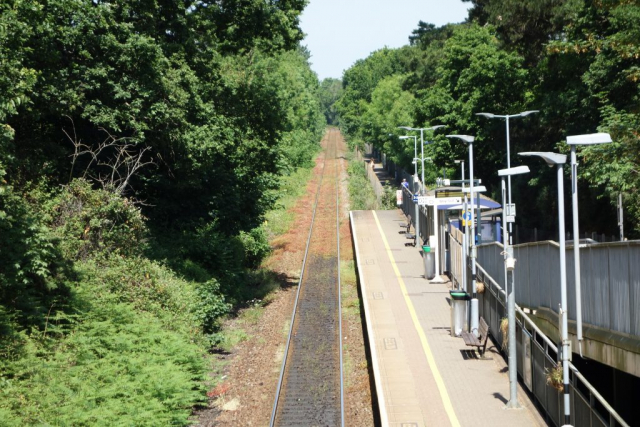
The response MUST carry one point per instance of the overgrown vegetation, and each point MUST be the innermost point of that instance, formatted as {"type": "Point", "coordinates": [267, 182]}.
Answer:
{"type": "Point", "coordinates": [141, 149]}
{"type": "Point", "coordinates": [361, 194]}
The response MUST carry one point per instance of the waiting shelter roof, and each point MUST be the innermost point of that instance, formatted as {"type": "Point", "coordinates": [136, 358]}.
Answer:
{"type": "Point", "coordinates": [451, 191]}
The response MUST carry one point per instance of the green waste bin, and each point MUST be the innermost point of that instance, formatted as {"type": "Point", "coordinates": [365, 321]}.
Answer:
{"type": "Point", "coordinates": [429, 260]}
{"type": "Point", "coordinates": [459, 303]}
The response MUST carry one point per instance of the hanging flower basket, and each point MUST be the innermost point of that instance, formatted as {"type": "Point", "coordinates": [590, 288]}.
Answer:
{"type": "Point", "coordinates": [554, 377]}
{"type": "Point", "coordinates": [504, 330]}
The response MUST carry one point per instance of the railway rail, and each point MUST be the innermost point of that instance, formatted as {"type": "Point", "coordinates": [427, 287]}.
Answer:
{"type": "Point", "coordinates": [310, 389]}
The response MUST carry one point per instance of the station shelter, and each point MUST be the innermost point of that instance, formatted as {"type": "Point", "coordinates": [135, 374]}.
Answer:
{"type": "Point", "coordinates": [444, 207]}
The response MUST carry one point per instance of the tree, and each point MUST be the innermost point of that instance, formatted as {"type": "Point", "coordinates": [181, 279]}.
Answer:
{"type": "Point", "coordinates": [330, 92]}
{"type": "Point", "coordinates": [474, 75]}
{"type": "Point", "coordinates": [390, 107]}
{"type": "Point", "coordinates": [359, 82]}
{"type": "Point", "coordinates": [526, 26]}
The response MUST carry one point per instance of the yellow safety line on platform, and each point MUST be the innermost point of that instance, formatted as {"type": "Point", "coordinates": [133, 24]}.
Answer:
{"type": "Point", "coordinates": [446, 401]}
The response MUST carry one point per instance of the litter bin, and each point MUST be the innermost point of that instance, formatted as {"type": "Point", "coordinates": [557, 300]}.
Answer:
{"type": "Point", "coordinates": [459, 302]}
{"type": "Point", "coordinates": [429, 260]}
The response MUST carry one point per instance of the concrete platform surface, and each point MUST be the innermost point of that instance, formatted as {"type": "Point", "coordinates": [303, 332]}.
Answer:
{"type": "Point", "coordinates": [423, 376]}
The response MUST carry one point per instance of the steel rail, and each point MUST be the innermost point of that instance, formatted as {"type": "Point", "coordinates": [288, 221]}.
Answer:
{"type": "Point", "coordinates": [295, 307]}
{"type": "Point", "coordinates": [339, 288]}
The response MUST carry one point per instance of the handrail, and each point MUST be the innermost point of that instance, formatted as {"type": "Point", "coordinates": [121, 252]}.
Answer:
{"type": "Point", "coordinates": [587, 384]}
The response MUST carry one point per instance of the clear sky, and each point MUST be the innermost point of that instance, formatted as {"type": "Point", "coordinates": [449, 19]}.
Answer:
{"type": "Point", "coordinates": [339, 32]}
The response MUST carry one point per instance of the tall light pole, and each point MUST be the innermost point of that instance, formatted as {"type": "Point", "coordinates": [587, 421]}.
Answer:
{"type": "Point", "coordinates": [558, 160]}
{"type": "Point", "coordinates": [464, 231]}
{"type": "Point", "coordinates": [510, 262]}
{"type": "Point", "coordinates": [589, 139]}
{"type": "Point", "coordinates": [422, 145]}
{"type": "Point", "coordinates": [474, 296]}
{"type": "Point", "coordinates": [507, 117]}
{"type": "Point", "coordinates": [415, 178]}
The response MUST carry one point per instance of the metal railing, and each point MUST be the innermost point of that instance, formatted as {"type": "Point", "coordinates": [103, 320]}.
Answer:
{"type": "Point", "coordinates": [610, 277]}
{"type": "Point", "coordinates": [537, 355]}
{"type": "Point", "coordinates": [408, 208]}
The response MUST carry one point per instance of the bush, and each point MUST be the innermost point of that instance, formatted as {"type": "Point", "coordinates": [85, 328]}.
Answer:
{"type": "Point", "coordinates": [361, 193]}
{"type": "Point", "coordinates": [210, 306]}
{"type": "Point", "coordinates": [91, 220]}
{"type": "Point", "coordinates": [388, 199]}
{"type": "Point", "coordinates": [127, 351]}
{"type": "Point", "coordinates": [117, 367]}
{"type": "Point", "coordinates": [256, 246]}
{"type": "Point", "coordinates": [33, 273]}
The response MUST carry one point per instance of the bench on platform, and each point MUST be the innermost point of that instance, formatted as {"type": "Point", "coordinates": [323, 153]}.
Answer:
{"type": "Point", "coordinates": [481, 340]}
{"type": "Point", "coordinates": [412, 237]}
{"type": "Point", "coordinates": [406, 226]}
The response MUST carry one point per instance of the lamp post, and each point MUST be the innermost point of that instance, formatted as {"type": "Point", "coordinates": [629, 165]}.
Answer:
{"type": "Point", "coordinates": [464, 231]}
{"type": "Point", "coordinates": [422, 145]}
{"type": "Point", "coordinates": [474, 297]}
{"type": "Point", "coordinates": [558, 160]}
{"type": "Point", "coordinates": [415, 178]}
{"type": "Point", "coordinates": [507, 117]}
{"type": "Point", "coordinates": [589, 139]}
{"type": "Point", "coordinates": [510, 263]}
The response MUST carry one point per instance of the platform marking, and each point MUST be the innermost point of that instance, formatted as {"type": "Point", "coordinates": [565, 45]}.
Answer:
{"type": "Point", "coordinates": [446, 401]}
{"type": "Point", "coordinates": [390, 344]}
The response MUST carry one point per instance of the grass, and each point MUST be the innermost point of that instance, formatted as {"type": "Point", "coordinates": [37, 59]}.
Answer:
{"type": "Point", "coordinates": [350, 298]}
{"type": "Point", "coordinates": [252, 315]}
{"type": "Point", "coordinates": [278, 221]}
{"type": "Point", "coordinates": [231, 337]}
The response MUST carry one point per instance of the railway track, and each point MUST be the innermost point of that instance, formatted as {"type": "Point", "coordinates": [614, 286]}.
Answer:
{"type": "Point", "coordinates": [310, 387]}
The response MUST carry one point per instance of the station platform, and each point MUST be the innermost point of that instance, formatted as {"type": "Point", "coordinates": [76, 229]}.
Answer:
{"type": "Point", "coordinates": [423, 375]}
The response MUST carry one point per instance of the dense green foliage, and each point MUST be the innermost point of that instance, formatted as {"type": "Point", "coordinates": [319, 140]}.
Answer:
{"type": "Point", "coordinates": [361, 194]}
{"type": "Point", "coordinates": [576, 61]}
{"type": "Point", "coordinates": [141, 146]}
{"type": "Point", "coordinates": [330, 92]}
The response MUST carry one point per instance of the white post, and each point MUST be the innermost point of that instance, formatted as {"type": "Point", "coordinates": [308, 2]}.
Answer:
{"type": "Point", "coordinates": [464, 237]}
{"type": "Point", "coordinates": [422, 159]}
{"type": "Point", "coordinates": [576, 244]}
{"type": "Point", "coordinates": [620, 217]}
{"type": "Point", "coordinates": [415, 174]}
{"type": "Point", "coordinates": [511, 316]}
{"type": "Point", "coordinates": [509, 177]}
{"type": "Point", "coordinates": [474, 298]}
{"type": "Point", "coordinates": [563, 299]}
{"type": "Point", "coordinates": [509, 268]}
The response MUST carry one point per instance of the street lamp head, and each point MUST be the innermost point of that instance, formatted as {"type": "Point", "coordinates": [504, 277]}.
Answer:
{"type": "Point", "coordinates": [513, 171]}
{"type": "Point", "coordinates": [436, 127]}
{"type": "Point", "coordinates": [405, 128]}
{"type": "Point", "coordinates": [549, 157]}
{"type": "Point", "coordinates": [589, 139]}
{"type": "Point", "coordinates": [476, 189]}
{"type": "Point", "coordinates": [466, 138]}
{"type": "Point", "coordinates": [405, 137]}
{"type": "Point", "coordinates": [507, 116]}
